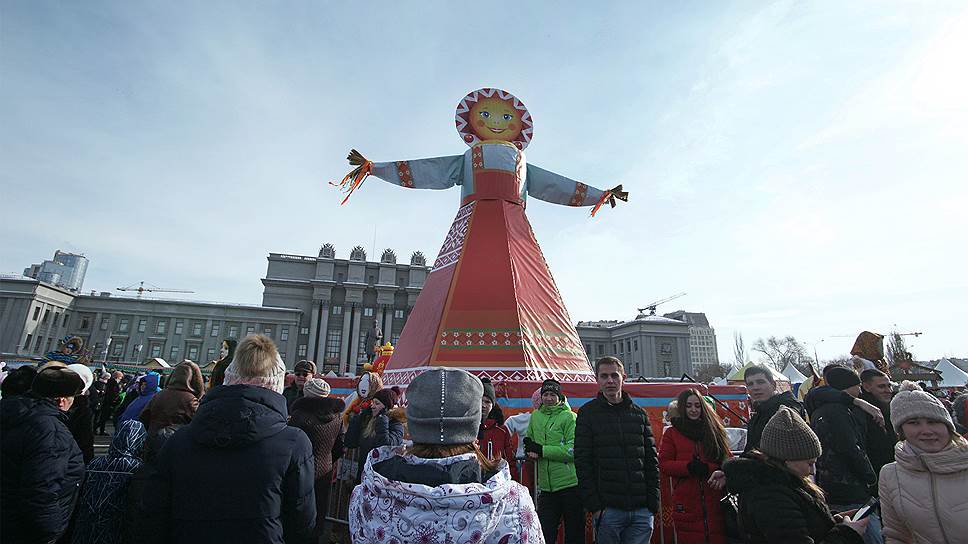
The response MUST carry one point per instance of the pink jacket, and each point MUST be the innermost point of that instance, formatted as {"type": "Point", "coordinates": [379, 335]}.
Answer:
{"type": "Point", "coordinates": [924, 496]}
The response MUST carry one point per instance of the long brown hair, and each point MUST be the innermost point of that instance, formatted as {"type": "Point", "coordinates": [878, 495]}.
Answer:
{"type": "Point", "coordinates": [808, 485]}
{"type": "Point", "coordinates": [715, 444]}
{"type": "Point", "coordinates": [440, 451]}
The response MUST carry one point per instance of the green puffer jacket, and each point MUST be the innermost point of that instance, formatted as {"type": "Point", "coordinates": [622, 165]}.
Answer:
{"type": "Point", "coordinates": [554, 428]}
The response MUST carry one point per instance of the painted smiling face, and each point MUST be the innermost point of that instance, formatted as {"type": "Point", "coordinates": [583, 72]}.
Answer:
{"type": "Point", "coordinates": [494, 119]}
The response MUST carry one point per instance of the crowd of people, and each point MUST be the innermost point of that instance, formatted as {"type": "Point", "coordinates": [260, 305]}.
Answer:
{"type": "Point", "coordinates": [252, 456]}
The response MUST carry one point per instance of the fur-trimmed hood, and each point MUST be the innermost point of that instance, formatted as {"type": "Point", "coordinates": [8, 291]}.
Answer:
{"type": "Point", "coordinates": [399, 413]}
{"type": "Point", "coordinates": [186, 376]}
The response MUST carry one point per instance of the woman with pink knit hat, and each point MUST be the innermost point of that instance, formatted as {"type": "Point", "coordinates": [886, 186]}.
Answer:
{"type": "Point", "coordinates": [924, 493]}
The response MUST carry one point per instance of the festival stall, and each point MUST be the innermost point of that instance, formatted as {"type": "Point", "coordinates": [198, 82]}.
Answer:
{"type": "Point", "coordinates": [795, 377]}
{"type": "Point", "coordinates": [952, 377]}
{"type": "Point", "coordinates": [736, 377]}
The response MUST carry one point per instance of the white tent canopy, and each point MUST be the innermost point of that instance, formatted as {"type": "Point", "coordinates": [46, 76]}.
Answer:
{"type": "Point", "coordinates": [951, 375]}
{"type": "Point", "coordinates": [794, 375]}
{"type": "Point", "coordinates": [738, 374]}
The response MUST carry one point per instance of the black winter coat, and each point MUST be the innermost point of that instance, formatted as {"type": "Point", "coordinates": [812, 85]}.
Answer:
{"type": "Point", "coordinates": [292, 394]}
{"type": "Point", "coordinates": [615, 456]}
{"type": "Point", "coordinates": [80, 421]}
{"type": "Point", "coordinates": [388, 430]}
{"type": "Point", "coordinates": [95, 396]}
{"type": "Point", "coordinates": [112, 390]}
{"type": "Point", "coordinates": [843, 470]}
{"type": "Point", "coordinates": [237, 473]}
{"type": "Point", "coordinates": [41, 469]}
{"type": "Point", "coordinates": [880, 441]}
{"type": "Point", "coordinates": [766, 410]}
{"type": "Point", "coordinates": [775, 507]}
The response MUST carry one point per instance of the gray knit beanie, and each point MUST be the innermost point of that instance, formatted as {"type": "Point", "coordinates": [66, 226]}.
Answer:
{"type": "Point", "coordinates": [444, 407]}
{"type": "Point", "coordinates": [316, 387]}
{"type": "Point", "coordinates": [788, 437]}
{"type": "Point", "coordinates": [911, 402]}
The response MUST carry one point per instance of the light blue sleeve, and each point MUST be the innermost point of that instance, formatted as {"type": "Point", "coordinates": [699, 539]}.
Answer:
{"type": "Point", "coordinates": [434, 173]}
{"type": "Point", "coordinates": [557, 189]}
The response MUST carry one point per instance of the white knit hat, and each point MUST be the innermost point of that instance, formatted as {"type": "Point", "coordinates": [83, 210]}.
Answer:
{"type": "Point", "coordinates": [911, 402]}
{"type": "Point", "coordinates": [85, 373]}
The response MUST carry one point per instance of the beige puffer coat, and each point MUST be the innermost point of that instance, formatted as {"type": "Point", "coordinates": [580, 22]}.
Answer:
{"type": "Point", "coordinates": [924, 496]}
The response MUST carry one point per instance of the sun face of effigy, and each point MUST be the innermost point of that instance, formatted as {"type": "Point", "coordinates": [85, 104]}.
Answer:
{"type": "Point", "coordinates": [494, 119]}
{"type": "Point", "coordinates": [493, 116]}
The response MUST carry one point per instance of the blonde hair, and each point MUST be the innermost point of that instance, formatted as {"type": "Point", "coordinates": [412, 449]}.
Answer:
{"type": "Point", "coordinates": [257, 362]}
{"type": "Point", "coordinates": [255, 356]}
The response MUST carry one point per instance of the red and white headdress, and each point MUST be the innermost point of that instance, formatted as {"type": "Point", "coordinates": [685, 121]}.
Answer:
{"type": "Point", "coordinates": [464, 110]}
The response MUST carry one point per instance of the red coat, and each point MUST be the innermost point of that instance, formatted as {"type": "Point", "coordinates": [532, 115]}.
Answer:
{"type": "Point", "coordinates": [695, 505]}
{"type": "Point", "coordinates": [495, 441]}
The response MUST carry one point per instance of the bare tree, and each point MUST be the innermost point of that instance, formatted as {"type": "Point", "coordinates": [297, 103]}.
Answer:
{"type": "Point", "coordinates": [740, 355]}
{"type": "Point", "coordinates": [897, 349]}
{"type": "Point", "coordinates": [708, 373]}
{"type": "Point", "coordinates": [778, 352]}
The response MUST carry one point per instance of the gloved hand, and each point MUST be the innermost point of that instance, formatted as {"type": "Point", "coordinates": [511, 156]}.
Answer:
{"type": "Point", "coordinates": [530, 446]}
{"type": "Point", "coordinates": [697, 468]}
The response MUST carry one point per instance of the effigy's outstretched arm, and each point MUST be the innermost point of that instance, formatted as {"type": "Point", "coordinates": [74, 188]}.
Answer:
{"type": "Point", "coordinates": [434, 173]}
{"type": "Point", "coordinates": [557, 189]}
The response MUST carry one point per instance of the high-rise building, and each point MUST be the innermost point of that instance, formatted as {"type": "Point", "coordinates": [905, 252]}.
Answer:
{"type": "Point", "coordinates": [702, 337]}
{"type": "Point", "coordinates": [65, 270]}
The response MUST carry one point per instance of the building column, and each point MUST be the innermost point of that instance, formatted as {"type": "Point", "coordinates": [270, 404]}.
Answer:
{"type": "Point", "coordinates": [388, 325]}
{"type": "Point", "coordinates": [343, 349]}
{"type": "Point", "coordinates": [355, 337]}
{"type": "Point", "coordinates": [312, 343]}
{"type": "Point", "coordinates": [323, 328]}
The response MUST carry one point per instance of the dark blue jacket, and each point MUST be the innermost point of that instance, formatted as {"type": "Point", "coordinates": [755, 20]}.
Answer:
{"type": "Point", "coordinates": [237, 473]}
{"type": "Point", "coordinates": [41, 469]}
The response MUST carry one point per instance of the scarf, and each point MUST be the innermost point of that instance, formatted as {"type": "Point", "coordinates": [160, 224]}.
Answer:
{"type": "Point", "coordinates": [690, 428]}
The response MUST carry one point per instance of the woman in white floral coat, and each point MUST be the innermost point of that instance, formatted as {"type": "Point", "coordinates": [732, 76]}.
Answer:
{"type": "Point", "coordinates": [441, 490]}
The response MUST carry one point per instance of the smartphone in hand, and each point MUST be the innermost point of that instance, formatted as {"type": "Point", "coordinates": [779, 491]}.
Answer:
{"type": "Point", "coordinates": [865, 510]}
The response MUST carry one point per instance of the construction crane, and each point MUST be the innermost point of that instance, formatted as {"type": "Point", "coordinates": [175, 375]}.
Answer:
{"type": "Point", "coordinates": [141, 289]}
{"type": "Point", "coordinates": [651, 306]}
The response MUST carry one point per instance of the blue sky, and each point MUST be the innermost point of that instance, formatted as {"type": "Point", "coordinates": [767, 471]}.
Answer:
{"type": "Point", "coordinates": [795, 167]}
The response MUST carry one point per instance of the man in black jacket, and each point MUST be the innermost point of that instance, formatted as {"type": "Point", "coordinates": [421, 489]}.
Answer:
{"type": "Point", "coordinates": [761, 387]}
{"type": "Point", "coordinates": [616, 461]}
{"type": "Point", "coordinates": [881, 439]}
{"type": "Point", "coordinates": [304, 370]}
{"type": "Point", "coordinates": [40, 464]}
{"type": "Point", "coordinates": [112, 391]}
{"type": "Point", "coordinates": [237, 473]}
{"type": "Point", "coordinates": [843, 470]}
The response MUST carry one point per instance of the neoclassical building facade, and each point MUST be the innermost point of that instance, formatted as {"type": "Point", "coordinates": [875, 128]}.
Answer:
{"type": "Point", "coordinates": [343, 301]}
